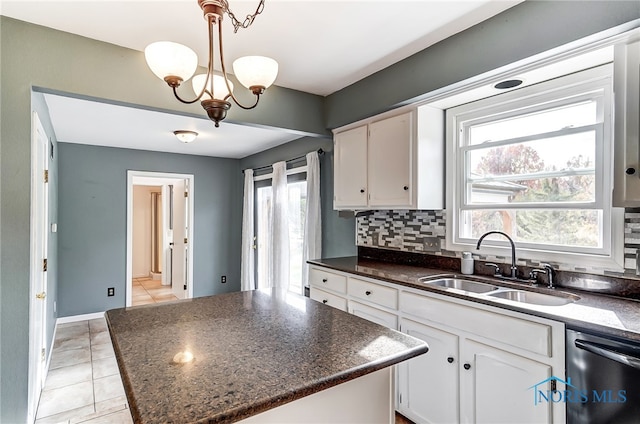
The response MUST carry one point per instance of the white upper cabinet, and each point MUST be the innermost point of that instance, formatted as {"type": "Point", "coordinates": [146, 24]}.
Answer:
{"type": "Point", "coordinates": [626, 86]}
{"type": "Point", "coordinates": [391, 162]}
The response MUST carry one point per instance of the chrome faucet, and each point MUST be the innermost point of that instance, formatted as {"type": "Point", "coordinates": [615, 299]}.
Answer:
{"type": "Point", "coordinates": [546, 269]}
{"type": "Point", "coordinates": [514, 268]}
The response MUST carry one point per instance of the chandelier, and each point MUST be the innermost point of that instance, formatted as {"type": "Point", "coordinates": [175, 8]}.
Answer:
{"type": "Point", "coordinates": [175, 63]}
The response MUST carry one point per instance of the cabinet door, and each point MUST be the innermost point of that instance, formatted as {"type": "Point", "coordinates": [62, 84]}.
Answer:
{"type": "Point", "coordinates": [428, 384]}
{"type": "Point", "coordinates": [390, 165]}
{"type": "Point", "coordinates": [497, 386]}
{"type": "Point", "coordinates": [350, 168]}
{"type": "Point", "coordinates": [626, 85]}
{"type": "Point", "coordinates": [372, 314]}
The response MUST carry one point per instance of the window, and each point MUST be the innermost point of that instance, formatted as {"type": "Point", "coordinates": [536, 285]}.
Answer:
{"type": "Point", "coordinates": [536, 164]}
{"type": "Point", "coordinates": [297, 194]}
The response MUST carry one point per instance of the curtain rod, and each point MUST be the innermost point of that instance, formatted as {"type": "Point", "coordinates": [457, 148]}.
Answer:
{"type": "Point", "coordinates": [320, 151]}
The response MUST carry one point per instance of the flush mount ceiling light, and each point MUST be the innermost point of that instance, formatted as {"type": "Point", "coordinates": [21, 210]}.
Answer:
{"type": "Point", "coordinates": [175, 63]}
{"type": "Point", "coordinates": [186, 136]}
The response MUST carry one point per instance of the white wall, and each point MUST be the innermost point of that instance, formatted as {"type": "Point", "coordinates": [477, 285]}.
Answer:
{"type": "Point", "coordinates": [142, 230]}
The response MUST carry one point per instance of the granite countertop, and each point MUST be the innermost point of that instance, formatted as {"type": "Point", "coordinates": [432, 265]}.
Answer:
{"type": "Point", "coordinates": [253, 351]}
{"type": "Point", "coordinates": [608, 315]}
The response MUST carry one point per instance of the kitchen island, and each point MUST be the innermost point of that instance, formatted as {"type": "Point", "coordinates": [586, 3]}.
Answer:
{"type": "Point", "coordinates": [258, 356]}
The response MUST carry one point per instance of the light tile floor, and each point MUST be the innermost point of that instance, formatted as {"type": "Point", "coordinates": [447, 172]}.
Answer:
{"type": "Point", "coordinates": [146, 291]}
{"type": "Point", "coordinates": [83, 384]}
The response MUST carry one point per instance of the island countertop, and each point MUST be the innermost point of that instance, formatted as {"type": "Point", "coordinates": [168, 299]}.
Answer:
{"type": "Point", "coordinates": [252, 350]}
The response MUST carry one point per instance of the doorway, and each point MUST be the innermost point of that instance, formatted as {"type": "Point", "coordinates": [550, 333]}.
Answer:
{"type": "Point", "coordinates": [159, 235]}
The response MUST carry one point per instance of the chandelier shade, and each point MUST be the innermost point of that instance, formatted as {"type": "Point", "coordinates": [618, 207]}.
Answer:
{"type": "Point", "coordinates": [175, 64]}
{"type": "Point", "coordinates": [169, 59]}
{"type": "Point", "coordinates": [220, 90]}
{"type": "Point", "coordinates": [255, 71]}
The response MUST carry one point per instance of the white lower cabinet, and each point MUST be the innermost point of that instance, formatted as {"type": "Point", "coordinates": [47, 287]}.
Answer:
{"type": "Point", "coordinates": [428, 384]}
{"type": "Point", "coordinates": [483, 362]}
{"type": "Point", "coordinates": [372, 314]}
{"type": "Point", "coordinates": [494, 386]}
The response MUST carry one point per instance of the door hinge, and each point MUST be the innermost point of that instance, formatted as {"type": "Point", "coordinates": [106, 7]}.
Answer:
{"type": "Point", "coordinates": [184, 287]}
{"type": "Point", "coordinates": [46, 175]}
{"type": "Point", "coordinates": [400, 400]}
{"type": "Point", "coordinates": [553, 385]}
{"type": "Point", "coordinates": [44, 265]}
{"type": "Point", "coordinates": [42, 354]}
{"type": "Point", "coordinates": [186, 194]}
{"type": "Point", "coordinates": [185, 240]}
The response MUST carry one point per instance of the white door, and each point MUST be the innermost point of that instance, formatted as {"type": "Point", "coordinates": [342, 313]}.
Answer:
{"type": "Point", "coordinates": [350, 162]}
{"type": "Point", "coordinates": [180, 243]}
{"type": "Point", "coordinates": [428, 384]}
{"type": "Point", "coordinates": [495, 386]}
{"type": "Point", "coordinates": [39, 247]}
{"type": "Point", "coordinates": [166, 236]}
{"type": "Point", "coordinates": [390, 149]}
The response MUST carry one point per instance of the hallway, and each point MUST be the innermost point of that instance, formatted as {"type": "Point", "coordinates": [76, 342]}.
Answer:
{"type": "Point", "coordinates": [146, 291]}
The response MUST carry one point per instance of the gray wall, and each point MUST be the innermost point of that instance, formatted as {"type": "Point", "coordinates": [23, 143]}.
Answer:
{"type": "Point", "coordinates": [338, 234]}
{"type": "Point", "coordinates": [527, 29]}
{"type": "Point", "coordinates": [92, 228]}
{"type": "Point", "coordinates": [41, 57]}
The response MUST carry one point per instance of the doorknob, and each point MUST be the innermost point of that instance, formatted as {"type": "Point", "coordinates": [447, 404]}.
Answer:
{"type": "Point", "coordinates": [41, 295]}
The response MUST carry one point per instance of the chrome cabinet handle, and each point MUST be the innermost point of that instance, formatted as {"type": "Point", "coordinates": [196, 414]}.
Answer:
{"type": "Point", "coordinates": [325, 301]}
{"type": "Point", "coordinates": [368, 293]}
{"type": "Point", "coordinates": [450, 359]}
{"type": "Point", "coordinates": [467, 366]}
{"type": "Point", "coordinates": [324, 280]}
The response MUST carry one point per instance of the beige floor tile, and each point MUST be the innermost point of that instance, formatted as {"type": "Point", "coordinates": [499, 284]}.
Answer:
{"type": "Point", "coordinates": [100, 338]}
{"type": "Point", "coordinates": [107, 388]}
{"type": "Point", "coordinates": [120, 417]}
{"type": "Point", "coordinates": [164, 298]}
{"type": "Point", "coordinates": [57, 401]}
{"type": "Point", "coordinates": [98, 325]}
{"type": "Point", "coordinates": [141, 297]}
{"type": "Point", "coordinates": [105, 367]}
{"type": "Point", "coordinates": [81, 342]}
{"type": "Point", "coordinates": [73, 324]}
{"type": "Point", "coordinates": [69, 357]}
{"type": "Point", "coordinates": [102, 351]}
{"type": "Point", "coordinates": [67, 376]}
{"type": "Point", "coordinates": [71, 332]}
{"type": "Point", "coordinates": [138, 291]}
{"type": "Point", "coordinates": [143, 302]}
{"type": "Point", "coordinates": [112, 405]}
{"type": "Point", "coordinates": [65, 417]}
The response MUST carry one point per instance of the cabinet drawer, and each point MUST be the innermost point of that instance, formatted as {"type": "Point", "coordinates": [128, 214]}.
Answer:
{"type": "Point", "coordinates": [374, 315]}
{"type": "Point", "coordinates": [521, 333]}
{"type": "Point", "coordinates": [374, 293]}
{"type": "Point", "coordinates": [327, 280]}
{"type": "Point", "coordinates": [328, 299]}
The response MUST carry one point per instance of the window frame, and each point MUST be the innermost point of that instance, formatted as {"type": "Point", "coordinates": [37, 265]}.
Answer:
{"type": "Point", "coordinates": [584, 85]}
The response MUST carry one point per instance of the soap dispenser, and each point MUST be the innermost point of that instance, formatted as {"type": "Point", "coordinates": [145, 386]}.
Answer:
{"type": "Point", "coordinates": [466, 263]}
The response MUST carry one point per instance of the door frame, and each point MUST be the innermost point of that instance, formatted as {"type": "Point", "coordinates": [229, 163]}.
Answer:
{"type": "Point", "coordinates": [157, 178]}
{"type": "Point", "coordinates": [38, 280]}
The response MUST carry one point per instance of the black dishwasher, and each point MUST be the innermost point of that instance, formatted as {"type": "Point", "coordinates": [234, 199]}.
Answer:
{"type": "Point", "coordinates": [604, 377]}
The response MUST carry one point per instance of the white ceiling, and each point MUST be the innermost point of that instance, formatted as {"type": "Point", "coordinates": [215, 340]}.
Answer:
{"type": "Point", "coordinates": [321, 46]}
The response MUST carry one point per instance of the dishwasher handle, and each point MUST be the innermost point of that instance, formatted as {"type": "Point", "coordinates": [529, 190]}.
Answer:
{"type": "Point", "coordinates": [609, 353]}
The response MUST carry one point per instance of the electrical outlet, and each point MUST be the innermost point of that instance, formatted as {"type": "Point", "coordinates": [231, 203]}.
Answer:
{"type": "Point", "coordinates": [431, 244]}
{"type": "Point", "coordinates": [111, 291]}
{"type": "Point", "coordinates": [223, 279]}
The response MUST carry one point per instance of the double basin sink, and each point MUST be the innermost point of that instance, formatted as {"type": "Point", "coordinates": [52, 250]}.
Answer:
{"type": "Point", "coordinates": [496, 292]}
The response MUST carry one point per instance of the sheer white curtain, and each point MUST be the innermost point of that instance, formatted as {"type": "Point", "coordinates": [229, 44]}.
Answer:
{"type": "Point", "coordinates": [312, 242]}
{"type": "Point", "coordinates": [248, 261]}
{"type": "Point", "coordinates": [280, 228]}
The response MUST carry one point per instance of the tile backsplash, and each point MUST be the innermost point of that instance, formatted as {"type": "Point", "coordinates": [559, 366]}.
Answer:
{"type": "Point", "coordinates": [423, 231]}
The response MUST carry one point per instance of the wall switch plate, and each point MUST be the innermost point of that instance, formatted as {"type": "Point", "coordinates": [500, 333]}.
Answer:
{"type": "Point", "coordinates": [223, 279]}
{"type": "Point", "coordinates": [111, 291]}
{"type": "Point", "coordinates": [431, 244]}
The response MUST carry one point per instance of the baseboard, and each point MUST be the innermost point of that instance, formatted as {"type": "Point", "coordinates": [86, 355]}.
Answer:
{"type": "Point", "coordinates": [76, 318]}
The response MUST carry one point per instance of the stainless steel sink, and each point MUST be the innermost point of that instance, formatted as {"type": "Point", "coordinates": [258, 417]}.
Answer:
{"type": "Point", "coordinates": [535, 298]}
{"type": "Point", "coordinates": [461, 284]}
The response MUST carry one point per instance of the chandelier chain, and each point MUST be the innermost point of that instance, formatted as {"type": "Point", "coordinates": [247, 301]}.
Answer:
{"type": "Point", "coordinates": [248, 20]}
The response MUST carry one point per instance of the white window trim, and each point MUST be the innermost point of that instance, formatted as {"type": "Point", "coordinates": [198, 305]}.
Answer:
{"type": "Point", "coordinates": [613, 238]}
